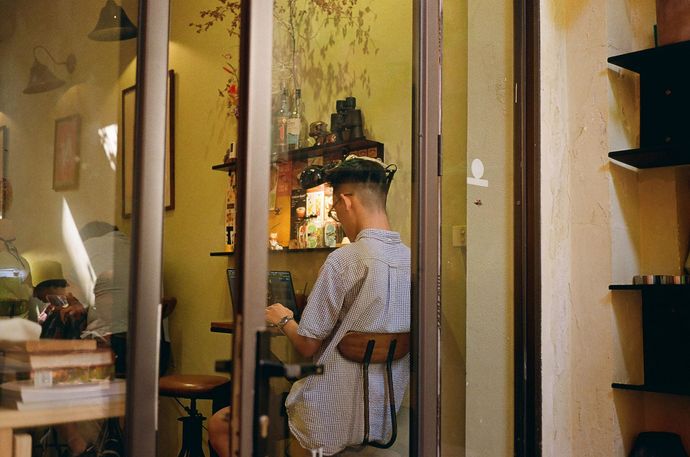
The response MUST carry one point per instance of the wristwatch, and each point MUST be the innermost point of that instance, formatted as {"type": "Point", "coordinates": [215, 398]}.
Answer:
{"type": "Point", "coordinates": [281, 323]}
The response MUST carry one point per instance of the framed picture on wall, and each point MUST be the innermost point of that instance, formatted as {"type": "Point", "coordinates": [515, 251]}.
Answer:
{"type": "Point", "coordinates": [129, 152]}
{"type": "Point", "coordinates": [66, 153]}
{"type": "Point", "coordinates": [5, 191]}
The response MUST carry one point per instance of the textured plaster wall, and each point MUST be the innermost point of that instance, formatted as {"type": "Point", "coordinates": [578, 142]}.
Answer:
{"type": "Point", "coordinates": [602, 223]}
{"type": "Point", "coordinates": [576, 337]}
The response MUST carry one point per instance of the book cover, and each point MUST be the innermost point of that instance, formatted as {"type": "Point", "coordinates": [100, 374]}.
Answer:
{"type": "Point", "coordinates": [316, 204]}
{"type": "Point", "coordinates": [47, 345]}
{"type": "Point", "coordinates": [27, 361]}
{"type": "Point", "coordinates": [298, 212]}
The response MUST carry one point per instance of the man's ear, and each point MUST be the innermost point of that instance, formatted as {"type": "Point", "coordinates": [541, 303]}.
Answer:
{"type": "Point", "coordinates": [347, 201]}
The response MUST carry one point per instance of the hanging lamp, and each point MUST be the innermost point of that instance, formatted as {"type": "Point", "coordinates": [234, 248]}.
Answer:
{"type": "Point", "coordinates": [113, 24]}
{"type": "Point", "coordinates": [41, 79]}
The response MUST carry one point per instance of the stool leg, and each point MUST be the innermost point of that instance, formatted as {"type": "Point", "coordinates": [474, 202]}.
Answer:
{"type": "Point", "coordinates": [191, 433]}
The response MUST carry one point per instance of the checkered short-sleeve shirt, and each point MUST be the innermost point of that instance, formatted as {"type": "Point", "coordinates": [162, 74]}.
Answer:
{"type": "Point", "coordinates": [365, 287]}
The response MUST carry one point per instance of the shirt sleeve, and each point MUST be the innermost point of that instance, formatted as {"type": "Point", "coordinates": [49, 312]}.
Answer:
{"type": "Point", "coordinates": [325, 302]}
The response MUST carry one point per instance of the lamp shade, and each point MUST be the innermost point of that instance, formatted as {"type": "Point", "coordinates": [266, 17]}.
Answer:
{"type": "Point", "coordinates": [41, 79]}
{"type": "Point", "coordinates": [113, 24]}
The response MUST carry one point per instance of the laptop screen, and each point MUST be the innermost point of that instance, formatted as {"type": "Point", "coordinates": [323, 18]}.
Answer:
{"type": "Point", "coordinates": [280, 289]}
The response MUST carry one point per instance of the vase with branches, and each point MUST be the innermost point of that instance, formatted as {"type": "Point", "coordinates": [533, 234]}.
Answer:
{"type": "Point", "coordinates": [298, 23]}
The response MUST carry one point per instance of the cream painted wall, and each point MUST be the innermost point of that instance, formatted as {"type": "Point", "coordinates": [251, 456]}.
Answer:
{"type": "Point", "coordinates": [490, 385]}
{"type": "Point", "coordinates": [45, 219]}
{"type": "Point", "coordinates": [601, 224]}
{"type": "Point", "coordinates": [454, 213]}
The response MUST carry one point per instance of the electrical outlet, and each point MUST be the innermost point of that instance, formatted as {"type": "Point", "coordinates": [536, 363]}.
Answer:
{"type": "Point", "coordinates": [459, 235]}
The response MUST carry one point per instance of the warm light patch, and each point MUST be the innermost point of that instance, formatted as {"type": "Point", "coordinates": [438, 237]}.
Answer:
{"type": "Point", "coordinates": [108, 136]}
{"type": "Point", "coordinates": [86, 277]}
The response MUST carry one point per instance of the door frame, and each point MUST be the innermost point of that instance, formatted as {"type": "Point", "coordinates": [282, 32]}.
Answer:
{"type": "Point", "coordinates": [147, 229]}
{"type": "Point", "coordinates": [427, 153]}
{"type": "Point", "coordinates": [253, 163]}
{"type": "Point", "coordinates": [425, 420]}
{"type": "Point", "coordinates": [527, 231]}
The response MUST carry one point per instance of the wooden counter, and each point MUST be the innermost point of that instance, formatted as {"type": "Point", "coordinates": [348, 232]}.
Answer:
{"type": "Point", "coordinates": [11, 419]}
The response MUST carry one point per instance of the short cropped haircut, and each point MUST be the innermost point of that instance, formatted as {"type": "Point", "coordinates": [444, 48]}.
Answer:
{"type": "Point", "coordinates": [369, 174]}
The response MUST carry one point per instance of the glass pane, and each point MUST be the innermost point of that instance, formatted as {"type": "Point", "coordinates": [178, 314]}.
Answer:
{"type": "Point", "coordinates": [477, 230]}
{"type": "Point", "coordinates": [342, 75]}
{"type": "Point", "coordinates": [359, 49]}
{"type": "Point", "coordinates": [66, 131]}
{"type": "Point", "coordinates": [203, 57]}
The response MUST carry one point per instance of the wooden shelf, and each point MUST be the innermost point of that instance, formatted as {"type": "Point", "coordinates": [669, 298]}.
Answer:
{"type": "Point", "coordinates": [649, 287]}
{"type": "Point", "coordinates": [659, 59]}
{"type": "Point", "coordinates": [284, 251]}
{"type": "Point", "coordinates": [10, 418]}
{"type": "Point", "coordinates": [655, 389]}
{"type": "Point", "coordinates": [341, 149]}
{"type": "Point", "coordinates": [653, 157]}
{"type": "Point", "coordinates": [664, 98]}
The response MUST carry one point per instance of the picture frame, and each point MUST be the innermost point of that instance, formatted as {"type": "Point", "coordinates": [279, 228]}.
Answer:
{"type": "Point", "coordinates": [128, 151]}
{"type": "Point", "coordinates": [66, 153]}
{"type": "Point", "coordinates": [4, 159]}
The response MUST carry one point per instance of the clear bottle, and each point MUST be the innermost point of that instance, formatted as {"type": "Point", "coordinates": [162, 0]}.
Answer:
{"type": "Point", "coordinates": [294, 123]}
{"type": "Point", "coordinates": [281, 123]}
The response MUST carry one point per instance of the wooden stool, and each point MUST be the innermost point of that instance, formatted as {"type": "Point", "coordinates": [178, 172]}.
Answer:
{"type": "Point", "coordinates": [194, 387]}
{"type": "Point", "coordinates": [366, 348]}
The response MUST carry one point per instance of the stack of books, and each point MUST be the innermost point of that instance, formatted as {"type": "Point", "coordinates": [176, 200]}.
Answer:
{"type": "Point", "coordinates": [57, 373]}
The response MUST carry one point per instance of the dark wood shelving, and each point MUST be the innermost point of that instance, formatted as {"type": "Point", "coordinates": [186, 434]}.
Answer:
{"type": "Point", "coordinates": [649, 287]}
{"type": "Point", "coordinates": [653, 157]}
{"type": "Point", "coordinates": [656, 389]}
{"type": "Point", "coordinates": [656, 59]}
{"type": "Point", "coordinates": [341, 149]}
{"type": "Point", "coordinates": [664, 98]}
{"type": "Point", "coordinates": [283, 251]}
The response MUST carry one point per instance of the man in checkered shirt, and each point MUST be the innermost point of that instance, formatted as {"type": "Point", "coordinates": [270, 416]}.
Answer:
{"type": "Point", "coordinates": [363, 287]}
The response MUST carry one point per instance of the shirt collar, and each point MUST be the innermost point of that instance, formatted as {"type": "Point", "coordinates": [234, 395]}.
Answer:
{"type": "Point", "coordinates": [386, 236]}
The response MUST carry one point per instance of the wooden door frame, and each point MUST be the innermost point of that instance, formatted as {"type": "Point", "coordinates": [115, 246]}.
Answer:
{"type": "Point", "coordinates": [527, 214]}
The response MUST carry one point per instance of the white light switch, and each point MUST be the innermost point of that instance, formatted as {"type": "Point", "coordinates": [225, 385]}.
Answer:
{"type": "Point", "coordinates": [459, 235]}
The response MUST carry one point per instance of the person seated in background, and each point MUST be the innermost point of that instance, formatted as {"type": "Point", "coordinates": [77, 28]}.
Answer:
{"type": "Point", "coordinates": [108, 249]}
{"type": "Point", "coordinates": [51, 298]}
{"type": "Point", "coordinates": [363, 286]}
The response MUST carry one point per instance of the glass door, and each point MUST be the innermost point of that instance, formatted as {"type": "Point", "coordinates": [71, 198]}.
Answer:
{"type": "Point", "coordinates": [326, 159]}
{"type": "Point", "coordinates": [82, 122]}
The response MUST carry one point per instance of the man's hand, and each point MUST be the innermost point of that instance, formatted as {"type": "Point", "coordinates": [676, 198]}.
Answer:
{"type": "Point", "coordinates": [276, 312]}
{"type": "Point", "coordinates": [68, 306]}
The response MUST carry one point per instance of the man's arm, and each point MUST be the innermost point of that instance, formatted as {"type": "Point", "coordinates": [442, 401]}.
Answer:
{"type": "Point", "coordinates": [303, 344]}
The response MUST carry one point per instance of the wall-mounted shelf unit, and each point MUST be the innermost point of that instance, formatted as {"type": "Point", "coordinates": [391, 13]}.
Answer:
{"type": "Point", "coordinates": [330, 150]}
{"type": "Point", "coordinates": [666, 337]}
{"type": "Point", "coordinates": [287, 167]}
{"type": "Point", "coordinates": [664, 99]}
{"type": "Point", "coordinates": [655, 389]}
{"type": "Point", "coordinates": [668, 287]}
{"type": "Point", "coordinates": [283, 251]}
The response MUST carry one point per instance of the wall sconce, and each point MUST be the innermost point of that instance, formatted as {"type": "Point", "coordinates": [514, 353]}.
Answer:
{"type": "Point", "coordinates": [41, 79]}
{"type": "Point", "coordinates": [113, 24]}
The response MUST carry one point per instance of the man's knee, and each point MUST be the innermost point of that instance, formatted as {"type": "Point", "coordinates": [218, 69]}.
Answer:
{"type": "Point", "coordinates": [219, 432]}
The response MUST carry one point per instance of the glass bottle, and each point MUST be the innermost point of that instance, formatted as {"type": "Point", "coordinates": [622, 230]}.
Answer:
{"type": "Point", "coordinates": [281, 122]}
{"type": "Point", "coordinates": [294, 123]}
